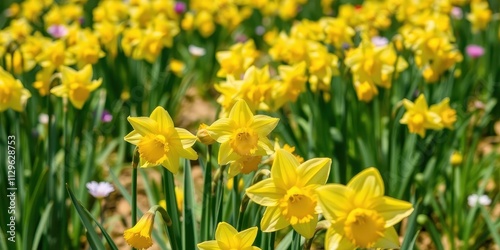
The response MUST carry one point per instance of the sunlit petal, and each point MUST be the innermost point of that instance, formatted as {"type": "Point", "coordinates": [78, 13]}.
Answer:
{"type": "Point", "coordinates": [265, 193]}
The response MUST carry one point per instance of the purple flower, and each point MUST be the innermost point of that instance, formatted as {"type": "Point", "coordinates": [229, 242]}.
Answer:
{"type": "Point", "coordinates": [474, 51]}
{"type": "Point", "coordinates": [106, 116]}
{"type": "Point", "coordinates": [180, 7]}
{"type": "Point", "coordinates": [241, 38]}
{"type": "Point", "coordinates": [100, 190]}
{"type": "Point", "coordinates": [57, 31]}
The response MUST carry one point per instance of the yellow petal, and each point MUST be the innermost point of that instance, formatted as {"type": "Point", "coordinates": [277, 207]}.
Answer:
{"type": "Point", "coordinates": [186, 137]}
{"type": "Point", "coordinates": [59, 90]}
{"type": "Point", "coordinates": [222, 129]}
{"type": "Point", "coordinates": [188, 153]}
{"type": "Point", "coordinates": [226, 154]}
{"type": "Point", "coordinates": [68, 75]}
{"type": "Point", "coordinates": [393, 210]}
{"type": "Point", "coordinates": [163, 119]}
{"type": "Point", "coordinates": [306, 229]}
{"type": "Point", "coordinates": [409, 105]}
{"type": "Point", "coordinates": [390, 240]}
{"type": "Point", "coordinates": [264, 124]}
{"type": "Point", "coordinates": [247, 237]}
{"type": "Point", "coordinates": [265, 146]}
{"type": "Point", "coordinates": [143, 125]}
{"type": "Point", "coordinates": [335, 241]}
{"type": "Point", "coordinates": [272, 220]}
{"type": "Point", "coordinates": [234, 169]}
{"type": "Point", "coordinates": [334, 200]}
{"type": "Point", "coordinates": [367, 184]}
{"type": "Point", "coordinates": [209, 245]}
{"type": "Point", "coordinates": [226, 233]}
{"type": "Point", "coordinates": [314, 171]}
{"type": "Point", "coordinates": [85, 73]}
{"type": "Point", "coordinates": [172, 162]}
{"type": "Point", "coordinates": [421, 103]}
{"type": "Point", "coordinates": [133, 137]}
{"type": "Point", "coordinates": [284, 169]}
{"type": "Point", "coordinates": [94, 85]}
{"type": "Point", "coordinates": [241, 114]}
{"type": "Point", "coordinates": [265, 193]}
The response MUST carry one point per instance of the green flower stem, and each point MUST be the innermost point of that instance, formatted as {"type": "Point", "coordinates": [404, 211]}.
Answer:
{"type": "Point", "coordinates": [236, 201]}
{"type": "Point", "coordinates": [65, 177]}
{"type": "Point", "coordinates": [219, 196]}
{"type": "Point", "coordinates": [174, 232]}
{"type": "Point", "coordinates": [295, 241]}
{"type": "Point", "coordinates": [207, 220]}
{"type": "Point", "coordinates": [135, 163]}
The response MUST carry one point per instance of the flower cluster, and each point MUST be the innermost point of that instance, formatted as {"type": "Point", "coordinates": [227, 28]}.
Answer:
{"type": "Point", "coordinates": [419, 117]}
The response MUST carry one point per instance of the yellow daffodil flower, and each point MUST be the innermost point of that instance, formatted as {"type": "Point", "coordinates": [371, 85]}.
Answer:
{"type": "Point", "coordinates": [255, 88]}
{"type": "Point", "coordinates": [237, 59]}
{"type": "Point", "coordinates": [447, 114]}
{"type": "Point", "coordinates": [179, 198]}
{"type": "Point", "coordinates": [243, 137]}
{"type": "Point", "coordinates": [12, 93]}
{"type": "Point", "coordinates": [159, 142]}
{"type": "Point", "coordinates": [43, 80]}
{"type": "Point", "coordinates": [293, 83]}
{"type": "Point", "coordinates": [289, 194]}
{"type": "Point", "coordinates": [360, 215]}
{"type": "Point", "coordinates": [337, 32]}
{"type": "Point", "coordinates": [54, 55]}
{"type": "Point", "coordinates": [456, 158]}
{"type": "Point", "coordinates": [419, 118]}
{"type": "Point", "coordinates": [139, 236]}
{"type": "Point", "coordinates": [228, 238]}
{"type": "Point", "coordinates": [76, 85]}
{"type": "Point", "coordinates": [87, 50]}
{"type": "Point", "coordinates": [480, 15]}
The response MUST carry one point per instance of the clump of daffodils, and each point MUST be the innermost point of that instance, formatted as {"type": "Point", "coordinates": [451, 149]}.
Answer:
{"type": "Point", "coordinates": [419, 117]}
{"type": "Point", "coordinates": [373, 65]}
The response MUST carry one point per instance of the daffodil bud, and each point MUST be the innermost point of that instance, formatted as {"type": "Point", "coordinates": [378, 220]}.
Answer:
{"type": "Point", "coordinates": [456, 159]}
{"type": "Point", "coordinates": [203, 135]}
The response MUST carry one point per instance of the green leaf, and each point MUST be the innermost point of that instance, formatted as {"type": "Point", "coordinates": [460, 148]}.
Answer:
{"type": "Point", "coordinates": [92, 236]}
{"type": "Point", "coordinates": [189, 225]}
{"type": "Point", "coordinates": [42, 225]}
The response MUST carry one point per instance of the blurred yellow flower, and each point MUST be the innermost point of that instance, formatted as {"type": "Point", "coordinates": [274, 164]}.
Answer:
{"type": "Point", "coordinates": [177, 67]}
{"type": "Point", "coordinates": [76, 85]}
{"type": "Point", "coordinates": [230, 184]}
{"type": "Point", "coordinates": [419, 118]}
{"type": "Point", "coordinates": [289, 194]}
{"type": "Point", "coordinates": [228, 238]}
{"type": "Point", "coordinates": [87, 49]}
{"type": "Point", "coordinates": [179, 196]}
{"type": "Point", "coordinates": [365, 91]}
{"type": "Point", "coordinates": [159, 142]}
{"type": "Point", "coordinates": [360, 215]}
{"type": "Point", "coordinates": [139, 236]}
{"type": "Point", "coordinates": [237, 59]}
{"type": "Point", "coordinates": [12, 93]}
{"type": "Point", "coordinates": [54, 55]}
{"type": "Point", "coordinates": [43, 80]}
{"type": "Point", "coordinates": [243, 136]}
{"type": "Point", "coordinates": [255, 88]}
{"type": "Point", "coordinates": [480, 15]}
{"type": "Point", "coordinates": [456, 158]}
{"type": "Point", "coordinates": [447, 114]}
{"type": "Point", "coordinates": [293, 83]}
